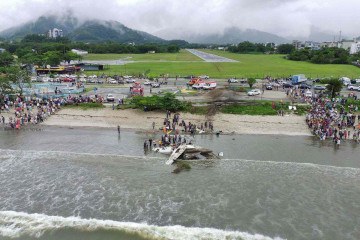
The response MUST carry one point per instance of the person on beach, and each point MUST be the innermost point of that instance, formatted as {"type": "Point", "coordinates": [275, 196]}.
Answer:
{"type": "Point", "coordinates": [118, 129]}
{"type": "Point", "coordinates": [150, 143]}
{"type": "Point", "coordinates": [145, 144]}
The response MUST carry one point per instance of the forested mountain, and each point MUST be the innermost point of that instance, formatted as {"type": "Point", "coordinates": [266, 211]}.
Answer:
{"type": "Point", "coordinates": [88, 31]}
{"type": "Point", "coordinates": [235, 35]}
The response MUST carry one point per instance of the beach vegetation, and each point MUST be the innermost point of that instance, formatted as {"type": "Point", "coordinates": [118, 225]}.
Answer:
{"type": "Point", "coordinates": [168, 101]}
{"type": "Point", "coordinates": [302, 109]}
{"type": "Point", "coordinates": [254, 108]}
{"type": "Point", "coordinates": [86, 106]}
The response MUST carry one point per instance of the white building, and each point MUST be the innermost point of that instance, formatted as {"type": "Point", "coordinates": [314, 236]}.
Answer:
{"type": "Point", "coordinates": [312, 45]}
{"type": "Point", "coordinates": [55, 33]}
{"type": "Point", "coordinates": [355, 48]}
{"type": "Point", "coordinates": [2, 50]}
{"type": "Point", "coordinates": [329, 44]}
{"type": "Point", "coordinates": [346, 44]}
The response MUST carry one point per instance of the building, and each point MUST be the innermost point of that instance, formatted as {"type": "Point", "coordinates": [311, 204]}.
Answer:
{"type": "Point", "coordinates": [355, 48]}
{"type": "Point", "coordinates": [329, 44]}
{"type": "Point", "coordinates": [298, 44]}
{"type": "Point", "coordinates": [55, 33]}
{"type": "Point", "coordinates": [2, 50]}
{"type": "Point", "coordinates": [70, 69]}
{"type": "Point", "coordinates": [346, 44]}
{"type": "Point", "coordinates": [90, 66]}
{"type": "Point", "coordinates": [312, 45]}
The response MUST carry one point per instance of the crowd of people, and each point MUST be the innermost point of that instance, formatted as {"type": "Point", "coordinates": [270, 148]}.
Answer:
{"type": "Point", "coordinates": [331, 119]}
{"type": "Point", "coordinates": [32, 110]}
{"type": "Point", "coordinates": [172, 129]}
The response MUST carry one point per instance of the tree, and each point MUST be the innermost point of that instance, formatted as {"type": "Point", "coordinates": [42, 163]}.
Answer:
{"type": "Point", "coordinates": [52, 58]}
{"type": "Point", "coordinates": [251, 82]}
{"type": "Point", "coordinates": [68, 56]}
{"type": "Point", "coordinates": [6, 59]}
{"type": "Point", "coordinates": [173, 49]}
{"type": "Point", "coordinates": [17, 76]}
{"type": "Point", "coordinates": [5, 86]}
{"type": "Point", "coordinates": [334, 86]}
{"type": "Point", "coordinates": [285, 48]}
{"type": "Point", "coordinates": [246, 47]}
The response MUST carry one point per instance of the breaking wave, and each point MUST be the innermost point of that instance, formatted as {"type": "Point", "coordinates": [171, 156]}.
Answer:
{"type": "Point", "coordinates": [19, 224]}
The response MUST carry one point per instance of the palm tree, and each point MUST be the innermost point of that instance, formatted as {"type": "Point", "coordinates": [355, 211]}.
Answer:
{"type": "Point", "coordinates": [334, 86]}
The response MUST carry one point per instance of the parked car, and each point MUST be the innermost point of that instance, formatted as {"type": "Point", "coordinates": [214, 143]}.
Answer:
{"type": "Point", "coordinates": [308, 93]}
{"type": "Point", "coordinates": [147, 82]}
{"type": "Point", "coordinates": [233, 80]}
{"type": "Point", "coordinates": [254, 92]}
{"type": "Point", "coordinates": [288, 85]}
{"type": "Point", "coordinates": [319, 87]}
{"type": "Point", "coordinates": [67, 79]}
{"type": "Point", "coordinates": [110, 97]}
{"type": "Point", "coordinates": [112, 81]}
{"type": "Point", "coordinates": [268, 86]}
{"type": "Point", "coordinates": [130, 80]}
{"type": "Point", "coordinates": [355, 81]}
{"type": "Point", "coordinates": [204, 77]}
{"type": "Point", "coordinates": [189, 77]}
{"type": "Point", "coordinates": [155, 85]}
{"type": "Point", "coordinates": [353, 87]}
{"type": "Point", "coordinates": [304, 86]}
{"type": "Point", "coordinates": [209, 86]}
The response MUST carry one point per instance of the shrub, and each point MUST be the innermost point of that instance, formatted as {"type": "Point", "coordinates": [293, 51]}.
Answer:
{"type": "Point", "coordinates": [166, 102]}
{"type": "Point", "coordinates": [86, 106]}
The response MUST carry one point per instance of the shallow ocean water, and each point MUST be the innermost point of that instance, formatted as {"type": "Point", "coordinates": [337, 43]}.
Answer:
{"type": "Point", "coordinates": [83, 183]}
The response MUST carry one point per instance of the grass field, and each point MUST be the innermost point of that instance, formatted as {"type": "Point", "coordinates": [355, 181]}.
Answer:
{"type": "Point", "coordinates": [249, 65]}
{"type": "Point", "coordinates": [183, 55]}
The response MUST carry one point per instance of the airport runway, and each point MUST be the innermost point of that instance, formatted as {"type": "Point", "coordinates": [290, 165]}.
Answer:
{"type": "Point", "coordinates": [208, 57]}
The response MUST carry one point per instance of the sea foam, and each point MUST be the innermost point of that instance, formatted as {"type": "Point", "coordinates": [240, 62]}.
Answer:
{"type": "Point", "coordinates": [17, 224]}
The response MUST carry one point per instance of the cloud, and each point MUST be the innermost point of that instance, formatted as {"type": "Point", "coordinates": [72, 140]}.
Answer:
{"type": "Point", "coordinates": [176, 18]}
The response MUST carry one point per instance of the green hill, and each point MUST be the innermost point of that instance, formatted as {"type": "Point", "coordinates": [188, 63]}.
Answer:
{"type": "Point", "coordinates": [88, 31]}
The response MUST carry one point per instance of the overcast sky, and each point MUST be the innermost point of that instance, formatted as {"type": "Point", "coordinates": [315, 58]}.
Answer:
{"type": "Point", "coordinates": [170, 18]}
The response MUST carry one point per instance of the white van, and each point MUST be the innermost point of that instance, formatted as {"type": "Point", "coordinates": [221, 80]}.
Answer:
{"type": "Point", "coordinates": [345, 80]}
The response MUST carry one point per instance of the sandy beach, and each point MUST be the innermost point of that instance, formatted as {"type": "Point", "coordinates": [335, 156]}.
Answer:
{"type": "Point", "coordinates": [140, 120]}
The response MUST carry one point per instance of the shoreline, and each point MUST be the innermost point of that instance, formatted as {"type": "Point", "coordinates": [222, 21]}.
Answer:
{"type": "Point", "coordinates": [133, 119]}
